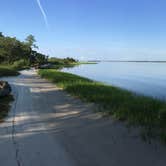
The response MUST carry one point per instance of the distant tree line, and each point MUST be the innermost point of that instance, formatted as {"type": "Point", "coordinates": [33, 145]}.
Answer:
{"type": "Point", "coordinates": [59, 61]}
{"type": "Point", "coordinates": [13, 51]}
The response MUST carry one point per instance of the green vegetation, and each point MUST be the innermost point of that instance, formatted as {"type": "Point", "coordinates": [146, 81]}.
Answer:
{"type": "Point", "coordinates": [67, 61]}
{"type": "Point", "coordinates": [20, 64]}
{"type": "Point", "coordinates": [58, 63]}
{"type": "Point", "coordinates": [5, 105]}
{"type": "Point", "coordinates": [12, 70]}
{"type": "Point", "coordinates": [16, 55]}
{"type": "Point", "coordinates": [122, 104]}
{"type": "Point", "coordinates": [20, 54]}
{"type": "Point", "coordinates": [8, 71]}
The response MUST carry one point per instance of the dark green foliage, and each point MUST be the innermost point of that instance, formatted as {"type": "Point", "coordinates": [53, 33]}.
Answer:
{"type": "Point", "coordinates": [30, 41]}
{"type": "Point", "coordinates": [59, 61]}
{"type": "Point", "coordinates": [69, 60]}
{"type": "Point", "coordinates": [162, 117]}
{"type": "Point", "coordinates": [122, 104]}
{"type": "Point", "coordinates": [14, 51]}
{"type": "Point", "coordinates": [1, 35]}
{"type": "Point", "coordinates": [56, 61]}
{"type": "Point", "coordinates": [8, 71]}
{"type": "Point", "coordinates": [4, 106]}
{"type": "Point", "coordinates": [21, 64]}
{"type": "Point", "coordinates": [38, 58]}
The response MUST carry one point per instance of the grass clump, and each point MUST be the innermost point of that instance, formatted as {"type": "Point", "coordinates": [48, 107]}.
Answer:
{"type": "Point", "coordinates": [20, 64]}
{"type": "Point", "coordinates": [122, 104]}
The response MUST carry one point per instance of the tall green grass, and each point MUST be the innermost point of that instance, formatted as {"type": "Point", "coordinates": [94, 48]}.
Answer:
{"type": "Point", "coordinates": [7, 70]}
{"type": "Point", "coordinates": [12, 69]}
{"type": "Point", "coordinates": [122, 104]}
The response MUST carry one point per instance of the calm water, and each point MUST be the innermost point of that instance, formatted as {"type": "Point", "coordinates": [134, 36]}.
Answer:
{"type": "Point", "coordinates": [145, 78]}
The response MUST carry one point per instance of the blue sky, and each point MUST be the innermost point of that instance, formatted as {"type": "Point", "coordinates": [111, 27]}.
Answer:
{"type": "Point", "coordinates": [90, 29]}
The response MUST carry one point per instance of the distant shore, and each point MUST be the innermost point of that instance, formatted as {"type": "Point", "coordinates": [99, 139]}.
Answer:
{"type": "Point", "coordinates": [96, 61]}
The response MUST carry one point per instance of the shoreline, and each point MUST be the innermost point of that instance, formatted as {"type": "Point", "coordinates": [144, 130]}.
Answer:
{"type": "Point", "coordinates": [138, 110]}
{"type": "Point", "coordinates": [43, 113]}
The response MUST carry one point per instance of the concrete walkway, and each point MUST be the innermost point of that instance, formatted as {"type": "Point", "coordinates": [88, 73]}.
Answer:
{"type": "Point", "coordinates": [47, 127]}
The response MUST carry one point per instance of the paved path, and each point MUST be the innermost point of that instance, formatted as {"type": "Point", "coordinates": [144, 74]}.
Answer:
{"type": "Point", "coordinates": [47, 127]}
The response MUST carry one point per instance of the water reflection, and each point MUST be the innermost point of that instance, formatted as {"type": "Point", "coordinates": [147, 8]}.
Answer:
{"type": "Point", "coordinates": [145, 78]}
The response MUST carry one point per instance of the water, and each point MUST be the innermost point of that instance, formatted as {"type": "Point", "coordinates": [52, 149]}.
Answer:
{"type": "Point", "coordinates": [144, 78]}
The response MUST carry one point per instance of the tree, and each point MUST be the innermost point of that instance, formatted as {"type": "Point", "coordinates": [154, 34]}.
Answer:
{"type": "Point", "coordinates": [30, 41]}
{"type": "Point", "coordinates": [12, 50]}
{"type": "Point", "coordinates": [40, 58]}
{"type": "Point", "coordinates": [1, 34]}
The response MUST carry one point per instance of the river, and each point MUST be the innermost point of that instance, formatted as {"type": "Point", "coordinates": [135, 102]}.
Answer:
{"type": "Point", "coordinates": [145, 78]}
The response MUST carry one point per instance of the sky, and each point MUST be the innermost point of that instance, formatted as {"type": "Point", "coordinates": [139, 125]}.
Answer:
{"type": "Point", "coordinates": [90, 29]}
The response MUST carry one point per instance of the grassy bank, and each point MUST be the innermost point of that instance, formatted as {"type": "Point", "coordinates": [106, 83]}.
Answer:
{"type": "Point", "coordinates": [122, 104]}
{"type": "Point", "coordinates": [12, 69]}
{"type": "Point", "coordinates": [5, 106]}
{"type": "Point", "coordinates": [8, 71]}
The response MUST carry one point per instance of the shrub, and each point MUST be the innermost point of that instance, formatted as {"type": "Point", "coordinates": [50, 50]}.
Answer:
{"type": "Point", "coordinates": [21, 64]}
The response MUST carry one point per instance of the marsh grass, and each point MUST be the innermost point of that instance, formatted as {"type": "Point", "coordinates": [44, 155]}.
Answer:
{"type": "Point", "coordinates": [60, 66]}
{"type": "Point", "coordinates": [121, 104]}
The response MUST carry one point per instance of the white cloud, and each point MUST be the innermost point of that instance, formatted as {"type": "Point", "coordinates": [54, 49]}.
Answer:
{"type": "Point", "coordinates": [43, 12]}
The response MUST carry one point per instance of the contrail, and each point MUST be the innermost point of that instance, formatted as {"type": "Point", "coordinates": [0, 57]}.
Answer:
{"type": "Point", "coordinates": [43, 12]}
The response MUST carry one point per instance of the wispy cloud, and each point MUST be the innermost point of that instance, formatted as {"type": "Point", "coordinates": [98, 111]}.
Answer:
{"type": "Point", "coordinates": [43, 13]}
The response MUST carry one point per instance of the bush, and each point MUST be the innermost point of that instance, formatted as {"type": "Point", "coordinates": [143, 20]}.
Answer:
{"type": "Point", "coordinates": [162, 117]}
{"type": "Point", "coordinates": [21, 64]}
{"type": "Point", "coordinates": [65, 61]}
{"type": "Point", "coordinates": [7, 71]}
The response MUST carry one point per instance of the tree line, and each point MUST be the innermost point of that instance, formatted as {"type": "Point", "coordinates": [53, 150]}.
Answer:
{"type": "Point", "coordinates": [13, 51]}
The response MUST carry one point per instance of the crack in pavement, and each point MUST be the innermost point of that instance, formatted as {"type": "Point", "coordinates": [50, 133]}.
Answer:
{"type": "Point", "coordinates": [15, 143]}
